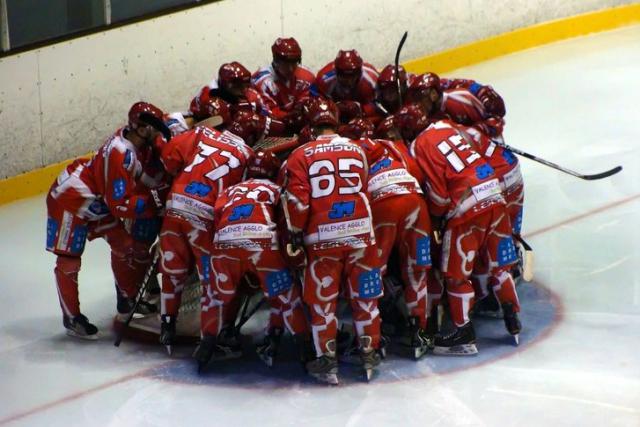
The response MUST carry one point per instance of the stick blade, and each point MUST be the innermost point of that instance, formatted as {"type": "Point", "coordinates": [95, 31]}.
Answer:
{"type": "Point", "coordinates": [605, 174]}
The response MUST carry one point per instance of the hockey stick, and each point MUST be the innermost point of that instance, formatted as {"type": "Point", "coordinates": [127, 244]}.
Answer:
{"type": "Point", "coordinates": [143, 289]}
{"type": "Point", "coordinates": [244, 317]}
{"type": "Point", "coordinates": [558, 167]}
{"type": "Point", "coordinates": [397, 65]}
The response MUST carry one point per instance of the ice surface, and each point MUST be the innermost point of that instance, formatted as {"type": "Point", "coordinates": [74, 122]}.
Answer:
{"type": "Point", "coordinates": [574, 103]}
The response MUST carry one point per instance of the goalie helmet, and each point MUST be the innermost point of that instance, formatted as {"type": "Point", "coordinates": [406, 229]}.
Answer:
{"type": "Point", "coordinates": [348, 62]}
{"type": "Point", "coordinates": [286, 49]}
{"type": "Point", "coordinates": [357, 128]}
{"type": "Point", "coordinates": [146, 114]}
{"type": "Point", "coordinates": [265, 164]}
{"type": "Point", "coordinates": [233, 72]}
{"type": "Point", "coordinates": [387, 76]}
{"type": "Point", "coordinates": [323, 112]}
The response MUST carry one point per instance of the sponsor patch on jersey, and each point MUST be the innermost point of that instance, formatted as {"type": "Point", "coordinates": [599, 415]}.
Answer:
{"type": "Point", "coordinates": [198, 189]}
{"type": "Point", "coordinates": [119, 188]}
{"type": "Point", "coordinates": [370, 284]}
{"type": "Point", "coordinates": [391, 177]}
{"type": "Point", "coordinates": [486, 189]}
{"type": "Point", "coordinates": [78, 239]}
{"type": "Point", "coordinates": [338, 230]}
{"type": "Point", "coordinates": [278, 282]}
{"type": "Point", "coordinates": [506, 251]}
{"type": "Point", "coordinates": [246, 231]}
{"type": "Point", "coordinates": [423, 251]}
{"type": "Point", "coordinates": [52, 230]}
{"type": "Point", "coordinates": [191, 206]}
{"type": "Point", "coordinates": [513, 177]}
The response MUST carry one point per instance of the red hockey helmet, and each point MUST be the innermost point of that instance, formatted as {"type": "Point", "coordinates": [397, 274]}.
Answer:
{"type": "Point", "coordinates": [388, 128]}
{"type": "Point", "coordinates": [146, 114]}
{"type": "Point", "coordinates": [348, 62]}
{"type": "Point", "coordinates": [388, 76]}
{"type": "Point", "coordinates": [420, 86]}
{"type": "Point", "coordinates": [233, 72]}
{"type": "Point", "coordinates": [213, 106]}
{"type": "Point", "coordinates": [249, 126]}
{"type": "Point", "coordinates": [323, 112]}
{"type": "Point", "coordinates": [411, 120]}
{"type": "Point", "coordinates": [265, 164]}
{"type": "Point", "coordinates": [286, 49]}
{"type": "Point", "coordinates": [357, 128]}
{"type": "Point", "coordinates": [373, 150]}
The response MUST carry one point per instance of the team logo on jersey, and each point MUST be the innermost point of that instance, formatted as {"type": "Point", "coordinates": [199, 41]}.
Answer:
{"type": "Point", "coordinates": [197, 189]}
{"type": "Point", "coordinates": [205, 267]}
{"type": "Point", "coordinates": [381, 164]}
{"type": "Point", "coordinates": [278, 282]}
{"type": "Point", "coordinates": [509, 157]}
{"type": "Point", "coordinates": [240, 212]}
{"type": "Point", "coordinates": [484, 171]}
{"type": "Point", "coordinates": [342, 209]}
{"type": "Point", "coordinates": [369, 284]}
{"type": "Point", "coordinates": [140, 206]}
{"type": "Point", "coordinates": [119, 188]}
{"type": "Point", "coordinates": [98, 208]}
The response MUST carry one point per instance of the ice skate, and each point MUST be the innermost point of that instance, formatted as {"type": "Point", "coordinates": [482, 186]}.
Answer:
{"type": "Point", "coordinates": [461, 342]}
{"type": "Point", "coordinates": [487, 307]}
{"type": "Point", "coordinates": [416, 340]}
{"type": "Point", "coordinates": [125, 307]}
{"type": "Point", "coordinates": [80, 327]}
{"type": "Point", "coordinates": [325, 367]}
{"type": "Point", "coordinates": [433, 326]}
{"type": "Point", "coordinates": [211, 348]}
{"type": "Point", "coordinates": [512, 322]}
{"type": "Point", "coordinates": [369, 356]}
{"type": "Point", "coordinates": [167, 332]}
{"type": "Point", "coordinates": [268, 350]}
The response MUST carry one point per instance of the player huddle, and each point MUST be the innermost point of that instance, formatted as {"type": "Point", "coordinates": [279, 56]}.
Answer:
{"type": "Point", "coordinates": [384, 189]}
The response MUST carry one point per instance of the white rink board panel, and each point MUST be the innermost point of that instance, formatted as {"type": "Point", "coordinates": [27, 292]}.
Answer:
{"type": "Point", "coordinates": [87, 84]}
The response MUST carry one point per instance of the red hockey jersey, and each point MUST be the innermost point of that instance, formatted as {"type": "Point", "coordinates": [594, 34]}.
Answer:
{"type": "Point", "coordinates": [281, 96]}
{"type": "Point", "coordinates": [204, 162]}
{"type": "Point", "coordinates": [245, 216]}
{"type": "Point", "coordinates": [326, 83]}
{"type": "Point", "coordinates": [460, 183]}
{"type": "Point", "coordinates": [465, 108]}
{"type": "Point", "coordinates": [108, 183]}
{"type": "Point", "coordinates": [325, 194]}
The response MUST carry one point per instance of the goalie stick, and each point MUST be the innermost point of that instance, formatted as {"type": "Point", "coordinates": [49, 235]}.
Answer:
{"type": "Point", "coordinates": [143, 289]}
{"type": "Point", "coordinates": [397, 64]}
{"type": "Point", "coordinates": [591, 177]}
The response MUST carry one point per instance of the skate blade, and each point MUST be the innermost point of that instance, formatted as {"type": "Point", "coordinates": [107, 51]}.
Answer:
{"type": "Point", "coordinates": [490, 314]}
{"type": "Point", "coordinates": [368, 374]}
{"type": "Point", "coordinates": [169, 349]}
{"type": "Point", "coordinates": [516, 339]}
{"type": "Point", "coordinates": [456, 350]}
{"type": "Point", "coordinates": [268, 360]}
{"type": "Point", "coordinates": [419, 352]}
{"type": "Point", "coordinates": [82, 337]}
{"type": "Point", "coordinates": [218, 357]}
{"type": "Point", "coordinates": [331, 379]}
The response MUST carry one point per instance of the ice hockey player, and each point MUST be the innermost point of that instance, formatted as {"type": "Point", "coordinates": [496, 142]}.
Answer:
{"type": "Point", "coordinates": [351, 84]}
{"type": "Point", "coordinates": [402, 222]}
{"type": "Point", "coordinates": [233, 86]}
{"type": "Point", "coordinates": [465, 197]}
{"type": "Point", "coordinates": [285, 83]}
{"type": "Point", "coordinates": [457, 103]}
{"type": "Point", "coordinates": [246, 241]}
{"type": "Point", "coordinates": [203, 162]}
{"type": "Point", "coordinates": [388, 97]}
{"type": "Point", "coordinates": [332, 238]}
{"type": "Point", "coordinates": [90, 199]}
